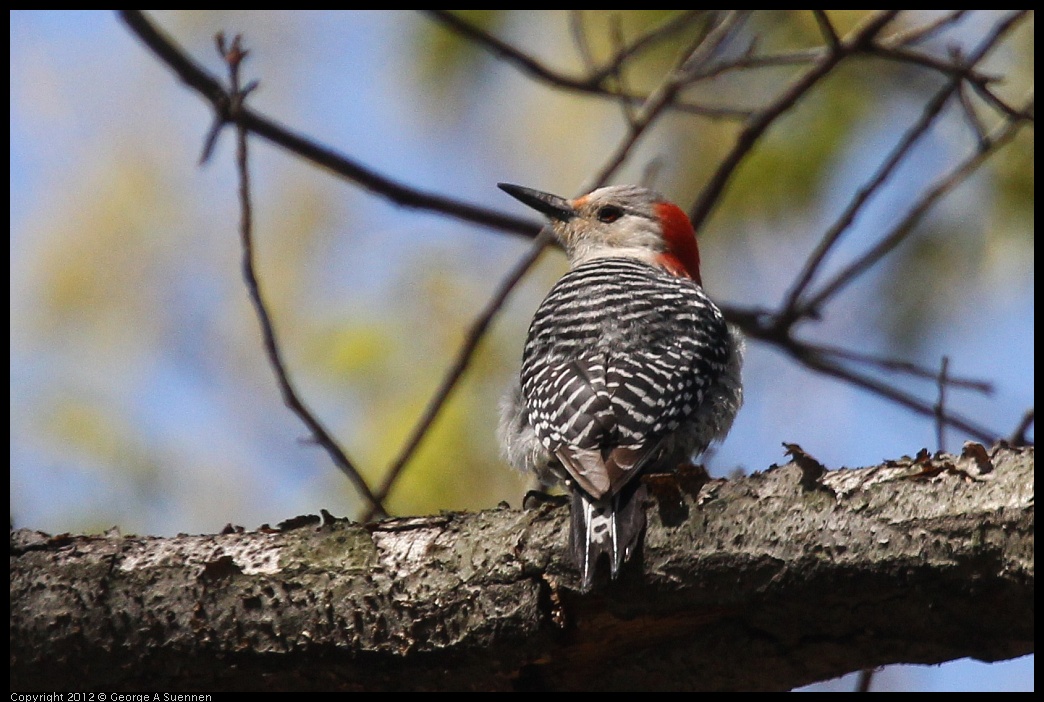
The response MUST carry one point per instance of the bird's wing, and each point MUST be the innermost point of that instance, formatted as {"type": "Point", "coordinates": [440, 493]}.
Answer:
{"type": "Point", "coordinates": [588, 420]}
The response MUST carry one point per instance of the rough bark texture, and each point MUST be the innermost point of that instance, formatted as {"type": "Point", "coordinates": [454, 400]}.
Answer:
{"type": "Point", "coordinates": [765, 582]}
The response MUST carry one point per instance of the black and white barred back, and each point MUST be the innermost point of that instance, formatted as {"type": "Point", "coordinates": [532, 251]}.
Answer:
{"type": "Point", "coordinates": [620, 354]}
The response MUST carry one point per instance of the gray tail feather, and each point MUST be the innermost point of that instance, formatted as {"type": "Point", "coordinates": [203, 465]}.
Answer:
{"type": "Point", "coordinates": [613, 527]}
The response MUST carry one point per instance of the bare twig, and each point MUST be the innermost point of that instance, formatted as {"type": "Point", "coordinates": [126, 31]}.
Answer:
{"type": "Point", "coordinates": [833, 42]}
{"type": "Point", "coordinates": [882, 47]}
{"type": "Point", "coordinates": [940, 405]}
{"type": "Point", "coordinates": [840, 363]}
{"type": "Point", "coordinates": [979, 82]}
{"type": "Point", "coordinates": [669, 27]}
{"type": "Point", "coordinates": [460, 364]}
{"type": "Point", "coordinates": [900, 397]}
{"type": "Point", "coordinates": [665, 93]}
{"type": "Point", "coordinates": [905, 367]}
{"type": "Point", "coordinates": [1018, 437]}
{"type": "Point", "coordinates": [928, 116]}
{"type": "Point", "coordinates": [866, 676]}
{"type": "Point", "coordinates": [792, 309]}
{"type": "Point", "coordinates": [756, 126]}
{"type": "Point", "coordinates": [576, 27]}
{"type": "Point", "coordinates": [891, 48]}
{"type": "Point", "coordinates": [751, 61]}
{"type": "Point", "coordinates": [506, 52]}
{"type": "Point", "coordinates": [945, 66]}
{"type": "Point", "coordinates": [972, 117]}
{"type": "Point", "coordinates": [616, 36]}
{"type": "Point", "coordinates": [1024, 113]}
{"type": "Point", "coordinates": [198, 79]}
{"type": "Point", "coordinates": [902, 230]}
{"type": "Point", "coordinates": [593, 84]}
{"type": "Point", "coordinates": [927, 30]}
{"type": "Point", "coordinates": [234, 54]}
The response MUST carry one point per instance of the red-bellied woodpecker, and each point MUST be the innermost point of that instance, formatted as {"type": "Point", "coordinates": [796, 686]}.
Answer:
{"type": "Point", "coordinates": [628, 368]}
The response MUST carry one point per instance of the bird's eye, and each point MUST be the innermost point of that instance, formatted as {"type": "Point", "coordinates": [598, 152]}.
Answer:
{"type": "Point", "coordinates": [609, 213]}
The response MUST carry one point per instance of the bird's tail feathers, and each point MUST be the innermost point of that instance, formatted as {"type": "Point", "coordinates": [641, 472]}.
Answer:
{"type": "Point", "coordinates": [613, 526]}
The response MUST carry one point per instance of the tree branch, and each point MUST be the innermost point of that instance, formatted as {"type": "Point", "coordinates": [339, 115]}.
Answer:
{"type": "Point", "coordinates": [460, 364]}
{"type": "Point", "coordinates": [596, 82]}
{"type": "Point", "coordinates": [198, 79]}
{"type": "Point", "coordinates": [915, 35]}
{"type": "Point", "coordinates": [811, 358]}
{"type": "Point", "coordinates": [665, 94]}
{"type": "Point", "coordinates": [760, 122]}
{"type": "Point", "coordinates": [1001, 136]}
{"type": "Point", "coordinates": [792, 308]}
{"type": "Point", "coordinates": [767, 582]}
{"type": "Point", "coordinates": [931, 111]}
{"type": "Point", "coordinates": [234, 54]}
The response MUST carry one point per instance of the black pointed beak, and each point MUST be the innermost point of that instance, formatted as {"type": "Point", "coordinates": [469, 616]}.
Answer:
{"type": "Point", "coordinates": [551, 205]}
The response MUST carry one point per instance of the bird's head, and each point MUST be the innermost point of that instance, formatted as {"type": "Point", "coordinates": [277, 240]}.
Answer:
{"type": "Point", "coordinates": [619, 221]}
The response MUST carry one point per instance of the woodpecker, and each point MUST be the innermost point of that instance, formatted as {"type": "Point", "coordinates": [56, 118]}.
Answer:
{"type": "Point", "coordinates": [628, 368]}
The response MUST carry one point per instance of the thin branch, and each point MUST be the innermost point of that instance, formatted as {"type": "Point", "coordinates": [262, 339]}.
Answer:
{"type": "Point", "coordinates": [866, 676]}
{"type": "Point", "coordinates": [460, 364]}
{"type": "Point", "coordinates": [928, 116]}
{"type": "Point", "coordinates": [195, 77]}
{"type": "Point", "coordinates": [905, 367]}
{"type": "Point", "coordinates": [761, 121]}
{"type": "Point", "coordinates": [665, 93]}
{"type": "Point", "coordinates": [1018, 437]}
{"type": "Point", "coordinates": [947, 67]}
{"type": "Point", "coordinates": [940, 405]}
{"type": "Point", "coordinates": [882, 47]}
{"type": "Point", "coordinates": [749, 60]}
{"type": "Point", "coordinates": [915, 35]}
{"type": "Point", "coordinates": [792, 309]}
{"type": "Point", "coordinates": [593, 84]}
{"type": "Point", "coordinates": [701, 54]}
{"type": "Point", "coordinates": [616, 37]}
{"type": "Point", "coordinates": [896, 395]}
{"type": "Point", "coordinates": [671, 26]}
{"type": "Point", "coordinates": [903, 229]}
{"type": "Point", "coordinates": [828, 360]}
{"type": "Point", "coordinates": [979, 82]}
{"type": "Point", "coordinates": [512, 55]}
{"type": "Point", "coordinates": [833, 42]}
{"type": "Point", "coordinates": [576, 28]}
{"type": "Point", "coordinates": [234, 55]}
{"type": "Point", "coordinates": [972, 116]}
{"type": "Point", "coordinates": [1024, 113]}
